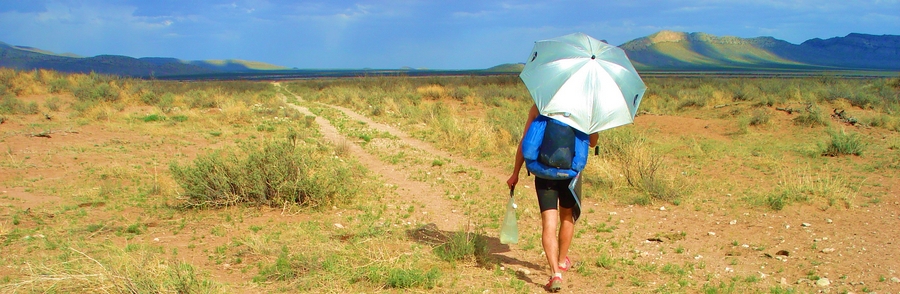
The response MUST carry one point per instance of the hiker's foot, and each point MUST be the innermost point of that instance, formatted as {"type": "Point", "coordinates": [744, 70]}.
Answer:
{"type": "Point", "coordinates": [555, 284]}
{"type": "Point", "coordinates": [565, 265]}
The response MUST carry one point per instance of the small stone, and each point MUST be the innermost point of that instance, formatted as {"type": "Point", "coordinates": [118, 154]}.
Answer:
{"type": "Point", "coordinates": [895, 280]}
{"type": "Point", "coordinates": [806, 224]}
{"type": "Point", "coordinates": [732, 222]}
{"type": "Point", "coordinates": [711, 233]}
{"type": "Point", "coordinates": [698, 256]}
{"type": "Point", "coordinates": [339, 226]}
{"type": "Point", "coordinates": [662, 208]}
{"type": "Point", "coordinates": [612, 213]}
{"type": "Point", "coordinates": [729, 270]}
{"type": "Point", "coordinates": [828, 250]}
{"type": "Point", "coordinates": [155, 239]}
{"type": "Point", "coordinates": [828, 221]}
{"type": "Point", "coordinates": [525, 271]}
{"type": "Point", "coordinates": [823, 282]}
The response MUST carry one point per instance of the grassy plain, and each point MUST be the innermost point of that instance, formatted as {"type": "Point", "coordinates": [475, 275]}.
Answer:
{"type": "Point", "coordinates": [123, 185]}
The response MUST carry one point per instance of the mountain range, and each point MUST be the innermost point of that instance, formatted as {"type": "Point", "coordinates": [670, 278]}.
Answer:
{"type": "Point", "coordinates": [662, 51]}
{"type": "Point", "coordinates": [668, 50]}
{"type": "Point", "coordinates": [28, 58]}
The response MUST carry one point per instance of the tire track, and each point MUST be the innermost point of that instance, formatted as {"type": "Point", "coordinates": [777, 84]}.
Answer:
{"type": "Point", "coordinates": [436, 208]}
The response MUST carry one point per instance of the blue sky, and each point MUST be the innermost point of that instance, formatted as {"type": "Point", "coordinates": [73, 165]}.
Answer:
{"type": "Point", "coordinates": [460, 34]}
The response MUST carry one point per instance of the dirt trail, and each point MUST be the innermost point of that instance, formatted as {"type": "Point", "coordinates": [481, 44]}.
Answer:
{"type": "Point", "coordinates": [406, 139]}
{"type": "Point", "coordinates": [436, 208]}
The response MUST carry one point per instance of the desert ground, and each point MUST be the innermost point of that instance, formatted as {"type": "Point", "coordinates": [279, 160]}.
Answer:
{"type": "Point", "coordinates": [92, 205]}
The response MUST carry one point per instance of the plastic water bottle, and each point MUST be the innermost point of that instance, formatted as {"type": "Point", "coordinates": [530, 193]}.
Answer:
{"type": "Point", "coordinates": [509, 230]}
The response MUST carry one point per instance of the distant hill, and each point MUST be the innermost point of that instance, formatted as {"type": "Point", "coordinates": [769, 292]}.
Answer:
{"type": "Point", "coordinates": [27, 58]}
{"type": "Point", "coordinates": [664, 51]}
{"type": "Point", "coordinates": [668, 50]}
{"type": "Point", "coordinates": [508, 67]}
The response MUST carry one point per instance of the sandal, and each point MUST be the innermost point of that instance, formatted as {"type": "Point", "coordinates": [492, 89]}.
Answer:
{"type": "Point", "coordinates": [567, 266]}
{"type": "Point", "coordinates": [554, 285]}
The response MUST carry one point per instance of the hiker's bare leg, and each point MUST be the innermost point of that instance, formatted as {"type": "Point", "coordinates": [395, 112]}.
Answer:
{"type": "Point", "coordinates": [549, 221]}
{"type": "Point", "coordinates": [566, 231]}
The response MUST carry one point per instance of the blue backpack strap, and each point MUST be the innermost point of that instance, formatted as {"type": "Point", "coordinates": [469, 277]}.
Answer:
{"type": "Point", "coordinates": [531, 143]}
{"type": "Point", "coordinates": [582, 149]}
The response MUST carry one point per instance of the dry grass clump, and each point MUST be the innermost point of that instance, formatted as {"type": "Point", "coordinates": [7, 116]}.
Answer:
{"type": "Point", "coordinates": [431, 91]}
{"type": "Point", "coordinates": [275, 173]}
{"type": "Point", "coordinates": [639, 166]}
{"type": "Point", "coordinates": [138, 271]}
{"type": "Point", "coordinates": [807, 185]}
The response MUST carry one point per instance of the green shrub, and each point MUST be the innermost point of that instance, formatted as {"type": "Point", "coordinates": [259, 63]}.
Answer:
{"type": "Point", "coordinates": [150, 98]}
{"type": "Point", "coordinates": [87, 91]}
{"type": "Point", "coordinates": [460, 92]}
{"type": "Point", "coordinates": [776, 202]}
{"type": "Point", "coordinates": [53, 103]}
{"type": "Point", "coordinates": [275, 173]}
{"type": "Point", "coordinates": [59, 85]}
{"type": "Point", "coordinates": [409, 278]}
{"type": "Point", "coordinates": [179, 118]}
{"type": "Point", "coordinates": [760, 116]}
{"type": "Point", "coordinates": [153, 117]}
{"type": "Point", "coordinates": [166, 101]}
{"type": "Point", "coordinates": [811, 117]}
{"type": "Point", "coordinates": [462, 245]}
{"type": "Point", "coordinates": [200, 99]}
{"type": "Point", "coordinates": [843, 143]}
{"type": "Point", "coordinates": [9, 104]}
{"type": "Point", "coordinates": [286, 267]}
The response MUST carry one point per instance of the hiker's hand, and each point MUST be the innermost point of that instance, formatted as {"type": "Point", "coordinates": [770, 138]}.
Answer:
{"type": "Point", "coordinates": [513, 180]}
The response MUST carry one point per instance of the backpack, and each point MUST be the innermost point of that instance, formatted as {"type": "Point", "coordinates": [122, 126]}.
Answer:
{"type": "Point", "coordinates": [554, 150]}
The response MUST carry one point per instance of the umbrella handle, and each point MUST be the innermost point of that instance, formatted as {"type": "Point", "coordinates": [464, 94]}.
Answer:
{"type": "Point", "coordinates": [511, 192]}
{"type": "Point", "coordinates": [597, 150]}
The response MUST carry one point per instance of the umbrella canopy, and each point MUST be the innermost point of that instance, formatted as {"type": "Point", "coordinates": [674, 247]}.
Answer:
{"type": "Point", "coordinates": [583, 82]}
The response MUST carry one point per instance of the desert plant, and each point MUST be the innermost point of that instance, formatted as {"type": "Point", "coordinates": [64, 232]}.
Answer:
{"type": "Point", "coordinates": [760, 116]}
{"type": "Point", "coordinates": [463, 245]}
{"type": "Point", "coordinates": [200, 99]}
{"type": "Point", "coordinates": [639, 165]}
{"type": "Point", "coordinates": [812, 116]}
{"type": "Point", "coordinates": [843, 143]}
{"type": "Point", "coordinates": [286, 267]}
{"type": "Point", "coordinates": [53, 103]}
{"type": "Point", "coordinates": [275, 173]}
{"type": "Point", "coordinates": [120, 272]}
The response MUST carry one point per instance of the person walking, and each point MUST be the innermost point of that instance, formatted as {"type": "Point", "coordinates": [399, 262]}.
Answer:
{"type": "Point", "coordinates": [557, 204]}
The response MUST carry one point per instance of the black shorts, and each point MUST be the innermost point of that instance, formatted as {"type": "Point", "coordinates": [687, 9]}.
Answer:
{"type": "Point", "coordinates": [551, 193]}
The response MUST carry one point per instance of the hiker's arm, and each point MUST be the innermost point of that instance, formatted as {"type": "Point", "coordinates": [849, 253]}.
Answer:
{"type": "Point", "coordinates": [517, 166]}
